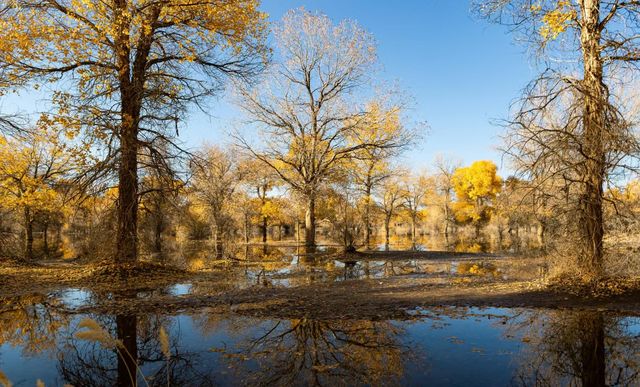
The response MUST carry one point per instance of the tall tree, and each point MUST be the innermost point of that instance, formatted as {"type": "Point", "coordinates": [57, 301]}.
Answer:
{"type": "Point", "coordinates": [216, 177]}
{"type": "Point", "coordinates": [587, 138]}
{"type": "Point", "coordinates": [130, 69]}
{"type": "Point", "coordinates": [415, 189]}
{"type": "Point", "coordinates": [308, 108]}
{"type": "Point", "coordinates": [445, 168]}
{"type": "Point", "coordinates": [391, 197]}
{"type": "Point", "coordinates": [261, 180]}
{"type": "Point", "coordinates": [370, 166]}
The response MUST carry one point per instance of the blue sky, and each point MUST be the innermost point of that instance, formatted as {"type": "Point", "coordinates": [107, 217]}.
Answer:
{"type": "Point", "coordinates": [462, 72]}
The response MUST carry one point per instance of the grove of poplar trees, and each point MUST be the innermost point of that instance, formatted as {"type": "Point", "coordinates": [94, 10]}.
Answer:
{"type": "Point", "coordinates": [318, 155]}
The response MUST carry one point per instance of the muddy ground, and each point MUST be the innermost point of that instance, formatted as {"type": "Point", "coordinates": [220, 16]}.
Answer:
{"type": "Point", "coordinates": [372, 285]}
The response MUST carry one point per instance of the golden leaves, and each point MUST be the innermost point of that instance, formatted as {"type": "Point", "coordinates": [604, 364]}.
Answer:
{"type": "Point", "coordinates": [475, 186]}
{"type": "Point", "coordinates": [477, 181]}
{"type": "Point", "coordinates": [555, 21]}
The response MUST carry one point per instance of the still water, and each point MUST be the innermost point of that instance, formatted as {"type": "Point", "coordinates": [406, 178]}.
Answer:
{"type": "Point", "coordinates": [46, 337]}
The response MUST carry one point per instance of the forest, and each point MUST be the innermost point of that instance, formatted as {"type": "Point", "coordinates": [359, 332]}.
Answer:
{"type": "Point", "coordinates": [305, 245]}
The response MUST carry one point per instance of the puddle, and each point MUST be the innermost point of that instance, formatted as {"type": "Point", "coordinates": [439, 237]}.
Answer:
{"type": "Point", "coordinates": [437, 346]}
{"type": "Point", "coordinates": [73, 298]}
{"type": "Point", "coordinates": [180, 289]}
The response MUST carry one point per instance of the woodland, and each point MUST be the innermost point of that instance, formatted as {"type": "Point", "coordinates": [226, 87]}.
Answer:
{"type": "Point", "coordinates": [99, 192]}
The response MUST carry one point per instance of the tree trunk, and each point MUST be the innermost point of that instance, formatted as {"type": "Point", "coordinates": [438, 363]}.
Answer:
{"type": "Point", "coordinates": [217, 239]}
{"type": "Point", "coordinates": [246, 229]}
{"type": "Point", "coordinates": [591, 224]}
{"type": "Point", "coordinates": [127, 240]}
{"type": "Point", "coordinates": [157, 237]}
{"type": "Point", "coordinates": [45, 238]}
{"type": "Point", "coordinates": [264, 229]}
{"type": "Point", "coordinates": [310, 222]}
{"type": "Point", "coordinates": [127, 334]}
{"type": "Point", "coordinates": [28, 234]}
{"type": "Point", "coordinates": [131, 82]}
{"type": "Point", "coordinates": [387, 220]}
{"type": "Point", "coordinates": [446, 220]}
{"type": "Point", "coordinates": [541, 233]}
{"type": "Point", "coordinates": [58, 235]}
{"type": "Point", "coordinates": [367, 217]}
{"type": "Point", "coordinates": [592, 351]}
{"type": "Point", "coordinates": [413, 230]}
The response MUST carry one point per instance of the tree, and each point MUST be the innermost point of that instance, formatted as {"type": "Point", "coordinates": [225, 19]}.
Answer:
{"type": "Point", "coordinates": [132, 68]}
{"type": "Point", "coordinates": [157, 197]}
{"type": "Point", "coordinates": [370, 166]}
{"type": "Point", "coordinates": [476, 186]}
{"type": "Point", "coordinates": [216, 177]}
{"type": "Point", "coordinates": [308, 107]}
{"type": "Point", "coordinates": [415, 189]}
{"type": "Point", "coordinates": [390, 199]}
{"type": "Point", "coordinates": [445, 169]}
{"type": "Point", "coordinates": [35, 166]}
{"type": "Point", "coordinates": [571, 127]}
{"type": "Point", "coordinates": [261, 179]}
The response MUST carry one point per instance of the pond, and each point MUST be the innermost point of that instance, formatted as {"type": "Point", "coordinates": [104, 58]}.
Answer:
{"type": "Point", "coordinates": [47, 337]}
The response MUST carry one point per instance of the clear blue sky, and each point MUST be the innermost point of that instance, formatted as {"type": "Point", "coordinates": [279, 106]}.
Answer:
{"type": "Point", "coordinates": [462, 72]}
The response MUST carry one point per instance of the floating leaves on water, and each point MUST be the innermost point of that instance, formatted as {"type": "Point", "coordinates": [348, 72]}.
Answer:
{"type": "Point", "coordinates": [40, 383]}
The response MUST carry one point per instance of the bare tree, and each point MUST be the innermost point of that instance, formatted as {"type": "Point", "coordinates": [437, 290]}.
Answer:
{"type": "Point", "coordinates": [570, 128]}
{"type": "Point", "coordinates": [309, 109]}
{"type": "Point", "coordinates": [415, 188]}
{"type": "Point", "coordinates": [445, 169]}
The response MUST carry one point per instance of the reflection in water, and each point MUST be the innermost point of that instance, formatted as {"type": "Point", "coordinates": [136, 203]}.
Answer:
{"type": "Point", "coordinates": [30, 323]}
{"type": "Point", "coordinates": [585, 348]}
{"type": "Point", "coordinates": [315, 352]}
{"type": "Point", "coordinates": [440, 346]}
{"type": "Point", "coordinates": [137, 358]}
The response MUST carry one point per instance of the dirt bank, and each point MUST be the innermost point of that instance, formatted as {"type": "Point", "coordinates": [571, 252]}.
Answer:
{"type": "Point", "coordinates": [406, 280]}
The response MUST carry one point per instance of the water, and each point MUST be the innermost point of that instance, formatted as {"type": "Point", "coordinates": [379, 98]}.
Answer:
{"type": "Point", "coordinates": [290, 266]}
{"type": "Point", "coordinates": [40, 339]}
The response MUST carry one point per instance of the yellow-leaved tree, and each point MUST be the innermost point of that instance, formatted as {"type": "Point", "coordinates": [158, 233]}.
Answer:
{"type": "Point", "coordinates": [35, 168]}
{"type": "Point", "coordinates": [476, 186]}
{"type": "Point", "coordinates": [125, 71]}
{"type": "Point", "coordinates": [370, 166]}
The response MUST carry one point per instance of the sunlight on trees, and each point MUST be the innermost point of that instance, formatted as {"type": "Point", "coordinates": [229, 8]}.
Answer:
{"type": "Point", "coordinates": [307, 108]}
{"type": "Point", "coordinates": [129, 65]}
{"type": "Point", "coordinates": [574, 124]}
{"type": "Point", "coordinates": [35, 171]}
{"type": "Point", "coordinates": [476, 187]}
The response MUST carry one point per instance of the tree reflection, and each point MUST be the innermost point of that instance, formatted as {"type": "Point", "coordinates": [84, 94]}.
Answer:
{"type": "Point", "coordinates": [316, 352]}
{"type": "Point", "coordinates": [30, 322]}
{"type": "Point", "coordinates": [584, 348]}
{"type": "Point", "coordinates": [136, 359]}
